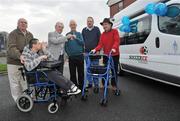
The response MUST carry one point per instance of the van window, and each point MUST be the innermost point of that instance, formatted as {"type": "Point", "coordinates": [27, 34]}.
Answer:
{"type": "Point", "coordinates": [170, 25]}
{"type": "Point", "coordinates": [140, 30]}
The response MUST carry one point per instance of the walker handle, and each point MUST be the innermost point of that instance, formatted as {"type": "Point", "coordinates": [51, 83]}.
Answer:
{"type": "Point", "coordinates": [91, 53]}
{"type": "Point", "coordinates": [110, 53]}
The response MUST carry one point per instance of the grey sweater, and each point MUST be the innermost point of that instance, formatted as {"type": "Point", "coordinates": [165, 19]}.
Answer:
{"type": "Point", "coordinates": [56, 43]}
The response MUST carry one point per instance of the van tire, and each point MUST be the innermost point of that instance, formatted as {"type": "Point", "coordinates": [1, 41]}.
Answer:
{"type": "Point", "coordinates": [120, 71]}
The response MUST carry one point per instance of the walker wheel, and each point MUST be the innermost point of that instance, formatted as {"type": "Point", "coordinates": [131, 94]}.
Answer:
{"type": "Point", "coordinates": [117, 92]}
{"type": "Point", "coordinates": [24, 103]}
{"type": "Point", "coordinates": [84, 98]}
{"type": "Point", "coordinates": [53, 108]}
{"type": "Point", "coordinates": [104, 102]}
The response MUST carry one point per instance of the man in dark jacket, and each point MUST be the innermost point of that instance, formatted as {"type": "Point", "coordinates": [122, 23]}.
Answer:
{"type": "Point", "coordinates": [17, 40]}
{"type": "Point", "coordinates": [75, 49]}
{"type": "Point", "coordinates": [91, 35]}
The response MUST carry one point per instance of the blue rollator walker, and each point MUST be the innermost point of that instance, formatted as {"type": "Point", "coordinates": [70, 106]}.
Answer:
{"type": "Point", "coordinates": [40, 88]}
{"type": "Point", "coordinates": [97, 67]}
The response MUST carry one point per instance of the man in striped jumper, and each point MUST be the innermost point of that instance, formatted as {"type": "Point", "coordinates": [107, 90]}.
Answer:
{"type": "Point", "coordinates": [34, 54]}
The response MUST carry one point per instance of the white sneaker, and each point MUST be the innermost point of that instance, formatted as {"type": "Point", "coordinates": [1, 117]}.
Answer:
{"type": "Point", "coordinates": [74, 90]}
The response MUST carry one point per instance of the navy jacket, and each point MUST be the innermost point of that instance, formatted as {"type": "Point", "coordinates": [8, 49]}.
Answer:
{"type": "Point", "coordinates": [91, 38]}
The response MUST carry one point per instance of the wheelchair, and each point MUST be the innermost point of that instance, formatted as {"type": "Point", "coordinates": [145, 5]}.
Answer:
{"type": "Point", "coordinates": [40, 88]}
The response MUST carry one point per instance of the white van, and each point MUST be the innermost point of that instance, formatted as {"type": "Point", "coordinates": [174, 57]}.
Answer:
{"type": "Point", "coordinates": [153, 50]}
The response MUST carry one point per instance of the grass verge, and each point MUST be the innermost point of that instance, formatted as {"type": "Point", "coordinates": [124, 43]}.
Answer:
{"type": "Point", "coordinates": [3, 68]}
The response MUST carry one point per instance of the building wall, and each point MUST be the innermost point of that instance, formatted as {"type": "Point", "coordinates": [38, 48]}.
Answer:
{"type": "Point", "coordinates": [128, 2]}
{"type": "Point", "coordinates": [117, 7]}
{"type": "Point", "coordinates": [114, 9]}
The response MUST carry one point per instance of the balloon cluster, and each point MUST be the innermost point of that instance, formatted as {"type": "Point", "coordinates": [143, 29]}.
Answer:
{"type": "Point", "coordinates": [126, 24]}
{"type": "Point", "coordinates": [159, 9]}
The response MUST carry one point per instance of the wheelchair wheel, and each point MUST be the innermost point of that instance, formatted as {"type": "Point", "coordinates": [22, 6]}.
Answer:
{"type": "Point", "coordinates": [24, 103]}
{"type": "Point", "coordinates": [53, 108]}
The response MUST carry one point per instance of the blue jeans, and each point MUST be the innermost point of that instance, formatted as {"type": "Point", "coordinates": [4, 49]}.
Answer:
{"type": "Point", "coordinates": [95, 80]}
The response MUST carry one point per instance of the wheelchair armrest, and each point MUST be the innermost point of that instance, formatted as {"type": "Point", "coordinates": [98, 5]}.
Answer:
{"type": "Point", "coordinates": [37, 70]}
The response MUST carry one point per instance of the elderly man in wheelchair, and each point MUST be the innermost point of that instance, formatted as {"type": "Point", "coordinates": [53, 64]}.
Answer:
{"type": "Point", "coordinates": [45, 83]}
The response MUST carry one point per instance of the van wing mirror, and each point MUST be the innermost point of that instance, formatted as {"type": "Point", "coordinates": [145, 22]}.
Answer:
{"type": "Point", "coordinates": [173, 11]}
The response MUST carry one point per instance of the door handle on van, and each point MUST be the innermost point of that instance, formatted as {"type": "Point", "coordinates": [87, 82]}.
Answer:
{"type": "Point", "coordinates": [157, 41]}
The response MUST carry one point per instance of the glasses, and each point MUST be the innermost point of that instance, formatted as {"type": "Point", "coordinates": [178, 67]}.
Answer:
{"type": "Point", "coordinates": [60, 26]}
{"type": "Point", "coordinates": [23, 22]}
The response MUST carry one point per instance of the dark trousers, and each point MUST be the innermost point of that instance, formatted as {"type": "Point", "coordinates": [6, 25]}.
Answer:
{"type": "Point", "coordinates": [116, 62]}
{"type": "Point", "coordinates": [61, 66]}
{"type": "Point", "coordinates": [76, 67]}
{"type": "Point", "coordinates": [59, 80]}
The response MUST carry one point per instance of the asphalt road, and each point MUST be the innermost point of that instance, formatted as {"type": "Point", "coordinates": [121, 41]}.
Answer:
{"type": "Point", "coordinates": [142, 99]}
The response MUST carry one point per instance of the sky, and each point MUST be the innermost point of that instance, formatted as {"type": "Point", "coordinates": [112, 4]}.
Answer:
{"type": "Point", "coordinates": [43, 14]}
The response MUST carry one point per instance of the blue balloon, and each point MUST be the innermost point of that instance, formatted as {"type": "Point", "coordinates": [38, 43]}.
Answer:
{"type": "Point", "coordinates": [126, 20]}
{"type": "Point", "coordinates": [150, 8]}
{"type": "Point", "coordinates": [121, 28]}
{"type": "Point", "coordinates": [125, 28]}
{"type": "Point", "coordinates": [161, 9]}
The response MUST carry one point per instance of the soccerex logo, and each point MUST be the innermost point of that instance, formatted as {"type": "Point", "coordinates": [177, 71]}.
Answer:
{"type": "Point", "coordinates": [144, 50]}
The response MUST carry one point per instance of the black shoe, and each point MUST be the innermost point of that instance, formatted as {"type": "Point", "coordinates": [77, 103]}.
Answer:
{"type": "Point", "coordinates": [96, 90]}
{"type": "Point", "coordinates": [117, 92]}
{"type": "Point", "coordinates": [86, 90]}
{"type": "Point", "coordinates": [64, 100]}
{"type": "Point", "coordinates": [89, 86]}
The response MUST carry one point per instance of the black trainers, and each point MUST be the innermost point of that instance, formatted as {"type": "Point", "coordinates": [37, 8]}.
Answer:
{"type": "Point", "coordinates": [89, 86]}
{"type": "Point", "coordinates": [86, 90]}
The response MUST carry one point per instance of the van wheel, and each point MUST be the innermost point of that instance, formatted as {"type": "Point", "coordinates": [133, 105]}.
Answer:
{"type": "Point", "coordinates": [120, 71]}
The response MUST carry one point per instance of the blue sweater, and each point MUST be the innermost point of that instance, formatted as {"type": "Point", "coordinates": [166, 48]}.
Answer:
{"type": "Point", "coordinates": [91, 38]}
{"type": "Point", "coordinates": [75, 47]}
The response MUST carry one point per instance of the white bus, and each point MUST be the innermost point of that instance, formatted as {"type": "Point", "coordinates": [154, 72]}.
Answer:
{"type": "Point", "coordinates": [153, 50]}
